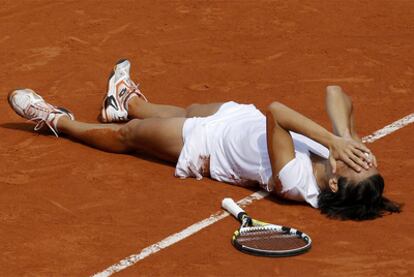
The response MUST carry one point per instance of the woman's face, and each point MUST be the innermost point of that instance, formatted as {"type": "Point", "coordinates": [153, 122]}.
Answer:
{"type": "Point", "coordinates": [342, 169]}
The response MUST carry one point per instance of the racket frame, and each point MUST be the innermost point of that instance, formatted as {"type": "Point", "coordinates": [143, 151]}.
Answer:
{"type": "Point", "coordinates": [248, 223]}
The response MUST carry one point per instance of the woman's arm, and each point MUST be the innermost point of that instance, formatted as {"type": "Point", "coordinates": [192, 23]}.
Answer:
{"type": "Point", "coordinates": [281, 119]}
{"type": "Point", "coordinates": [341, 113]}
{"type": "Point", "coordinates": [340, 110]}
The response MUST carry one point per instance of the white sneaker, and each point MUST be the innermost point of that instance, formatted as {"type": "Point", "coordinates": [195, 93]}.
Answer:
{"type": "Point", "coordinates": [28, 104]}
{"type": "Point", "coordinates": [120, 90]}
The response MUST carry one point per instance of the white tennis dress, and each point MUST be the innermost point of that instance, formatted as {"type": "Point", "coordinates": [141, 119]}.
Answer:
{"type": "Point", "coordinates": [234, 141]}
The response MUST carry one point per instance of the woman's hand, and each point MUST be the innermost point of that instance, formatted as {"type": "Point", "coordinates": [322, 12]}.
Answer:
{"type": "Point", "coordinates": [355, 154]}
{"type": "Point", "coordinates": [372, 159]}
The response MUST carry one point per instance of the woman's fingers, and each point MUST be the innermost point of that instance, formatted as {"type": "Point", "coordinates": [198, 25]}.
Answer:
{"type": "Point", "coordinates": [374, 160]}
{"type": "Point", "coordinates": [355, 154]}
{"type": "Point", "coordinates": [361, 146]}
{"type": "Point", "coordinates": [363, 155]}
{"type": "Point", "coordinates": [351, 163]}
{"type": "Point", "coordinates": [332, 161]}
{"type": "Point", "coordinates": [360, 158]}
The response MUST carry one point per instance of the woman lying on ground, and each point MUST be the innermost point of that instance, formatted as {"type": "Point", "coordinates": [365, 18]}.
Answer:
{"type": "Point", "coordinates": [283, 152]}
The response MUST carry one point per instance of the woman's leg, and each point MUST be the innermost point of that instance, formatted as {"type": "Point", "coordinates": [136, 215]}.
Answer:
{"type": "Point", "coordinates": [155, 129]}
{"type": "Point", "coordinates": [159, 137]}
{"type": "Point", "coordinates": [139, 108]}
{"type": "Point", "coordinates": [124, 101]}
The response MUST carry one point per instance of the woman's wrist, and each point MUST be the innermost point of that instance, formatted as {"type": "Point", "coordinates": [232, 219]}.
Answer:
{"type": "Point", "coordinates": [352, 135]}
{"type": "Point", "coordinates": [346, 133]}
{"type": "Point", "coordinates": [330, 140]}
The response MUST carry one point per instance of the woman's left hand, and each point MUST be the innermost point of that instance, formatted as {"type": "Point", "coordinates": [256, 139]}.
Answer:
{"type": "Point", "coordinates": [349, 151]}
{"type": "Point", "coordinates": [372, 160]}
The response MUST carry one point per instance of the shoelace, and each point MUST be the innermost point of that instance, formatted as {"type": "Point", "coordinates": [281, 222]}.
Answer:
{"type": "Point", "coordinates": [137, 91]}
{"type": "Point", "coordinates": [32, 110]}
{"type": "Point", "coordinates": [134, 89]}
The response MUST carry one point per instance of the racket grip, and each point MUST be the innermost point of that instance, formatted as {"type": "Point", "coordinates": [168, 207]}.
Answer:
{"type": "Point", "coordinates": [229, 205]}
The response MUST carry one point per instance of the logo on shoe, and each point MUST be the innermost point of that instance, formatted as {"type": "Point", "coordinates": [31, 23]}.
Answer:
{"type": "Point", "coordinates": [122, 92]}
{"type": "Point", "coordinates": [110, 101]}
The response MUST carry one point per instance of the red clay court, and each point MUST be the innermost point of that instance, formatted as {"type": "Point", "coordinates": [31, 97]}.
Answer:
{"type": "Point", "coordinates": [70, 210]}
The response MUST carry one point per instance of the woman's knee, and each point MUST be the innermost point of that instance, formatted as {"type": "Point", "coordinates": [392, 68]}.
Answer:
{"type": "Point", "coordinates": [125, 134]}
{"type": "Point", "coordinates": [192, 109]}
{"type": "Point", "coordinates": [202, 110]}
{"type": "Point", "coordinates": [333, 89]}
{"type": "Point", "coordinates": [275, 107]}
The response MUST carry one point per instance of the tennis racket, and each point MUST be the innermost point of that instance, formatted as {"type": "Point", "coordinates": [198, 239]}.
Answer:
{"type": "Point", "coordinates": [264, 239]}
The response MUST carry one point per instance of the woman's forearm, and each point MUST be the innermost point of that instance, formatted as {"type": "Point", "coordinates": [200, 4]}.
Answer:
{"type": "Point", "coordinates": [345, 149]}
{"type": "Point", "coordinates": [339, 108]}
{"type": "Point", "coordinates": [291, 120]}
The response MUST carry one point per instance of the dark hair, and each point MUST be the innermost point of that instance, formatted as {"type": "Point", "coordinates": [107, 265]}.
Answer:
{"type": "Point", "coordinates": [359, 201]}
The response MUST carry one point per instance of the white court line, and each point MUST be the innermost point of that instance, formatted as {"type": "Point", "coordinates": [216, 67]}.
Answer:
{"type": "Point", "coordinates": [174, 238]}
{"type": "Point", "coordinates": [128, 261]}
{"type": "Point", "coordinates": [389, 128]}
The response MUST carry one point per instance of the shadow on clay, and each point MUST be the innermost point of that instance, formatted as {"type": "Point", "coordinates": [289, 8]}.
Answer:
{"type": "Point", "coordinates": [271, 197]}
{"type": "Point", "coordinates": [23, 126]}
{"type": "Point", "coordinates": [29, 127]}
{"type": "Point", "coordinates": [149, 158]}
{"type": "Point", "coordinates": [278, 200]}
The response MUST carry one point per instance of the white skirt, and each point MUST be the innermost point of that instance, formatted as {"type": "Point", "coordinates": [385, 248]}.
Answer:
{"type": "Point", "coordinates": [232, 142]}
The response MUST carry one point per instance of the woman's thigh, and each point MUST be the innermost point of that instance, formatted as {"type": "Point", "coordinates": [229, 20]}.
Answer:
{"type": "Point", "coordinates": [202, 110]}
{"type": "Point", "coordinates": [159, 137]}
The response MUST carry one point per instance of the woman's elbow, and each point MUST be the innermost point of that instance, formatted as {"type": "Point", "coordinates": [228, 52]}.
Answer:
{"type": "Point", "coordinates": [333, 89]}
{"type": "Point", "coordinates": [275, 107]}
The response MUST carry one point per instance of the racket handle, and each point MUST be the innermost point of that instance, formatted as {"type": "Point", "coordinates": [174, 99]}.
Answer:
{"type": "Point", "coordinates": [229, 205]}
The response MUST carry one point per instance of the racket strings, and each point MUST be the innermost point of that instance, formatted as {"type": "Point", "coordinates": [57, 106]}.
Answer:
{"type": "Point", "coordinates": [271, 240]}
{"type": "Point", "coordinates": [264, 228]}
